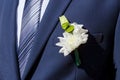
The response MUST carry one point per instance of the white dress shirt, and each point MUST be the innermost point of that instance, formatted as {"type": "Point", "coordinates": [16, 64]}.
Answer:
{"type": "Point", "coordinates": [20, 14]}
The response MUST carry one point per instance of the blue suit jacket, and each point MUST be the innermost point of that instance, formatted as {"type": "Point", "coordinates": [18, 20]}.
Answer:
{"type": "Point", "coordinates": [100, 56]}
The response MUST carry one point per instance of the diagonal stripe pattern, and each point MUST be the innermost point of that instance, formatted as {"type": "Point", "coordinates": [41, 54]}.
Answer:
{"type": "Point", "coordinates": [30, 20]}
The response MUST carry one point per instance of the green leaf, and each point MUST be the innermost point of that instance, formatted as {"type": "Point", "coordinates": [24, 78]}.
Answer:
{"type": "Point", "coordinates": [64, 22]}
{"type": "Point", "coordinates": [70, 29]}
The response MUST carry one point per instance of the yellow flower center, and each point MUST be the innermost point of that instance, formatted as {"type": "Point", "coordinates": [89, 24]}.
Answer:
{"type": "Point", "coordinates": [71, 41]}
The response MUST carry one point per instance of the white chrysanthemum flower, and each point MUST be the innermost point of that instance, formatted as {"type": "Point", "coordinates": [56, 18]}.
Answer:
{"type": "Point", "coordinates": [71, 41]}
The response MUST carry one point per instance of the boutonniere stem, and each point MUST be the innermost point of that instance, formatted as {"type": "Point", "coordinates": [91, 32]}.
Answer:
{"type": "Point", "coordinates": [77, 58]}
{"type": "Point", "coordinates": [73, 37]}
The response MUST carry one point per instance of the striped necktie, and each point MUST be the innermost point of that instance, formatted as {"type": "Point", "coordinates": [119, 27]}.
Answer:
{"type": "Point", "coordinates": [30, 21]}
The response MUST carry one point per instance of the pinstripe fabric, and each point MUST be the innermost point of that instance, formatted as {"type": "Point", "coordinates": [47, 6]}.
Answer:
{"type": "Point", "coordinates": [30, 20]}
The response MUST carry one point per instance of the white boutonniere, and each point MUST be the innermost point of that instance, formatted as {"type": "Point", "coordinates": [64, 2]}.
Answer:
{"type": "Point", "coordinates": [73, 37]}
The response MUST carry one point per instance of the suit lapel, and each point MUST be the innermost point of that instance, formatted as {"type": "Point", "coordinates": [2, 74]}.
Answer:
{"type": "Point", "coordinates": [8, 30]}
{"type": "Point", "coordinates": [54, 9]}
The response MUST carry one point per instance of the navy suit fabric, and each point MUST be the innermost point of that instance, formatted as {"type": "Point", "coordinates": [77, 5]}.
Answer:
{"type": "Point", "coordinates": [99, 56]}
